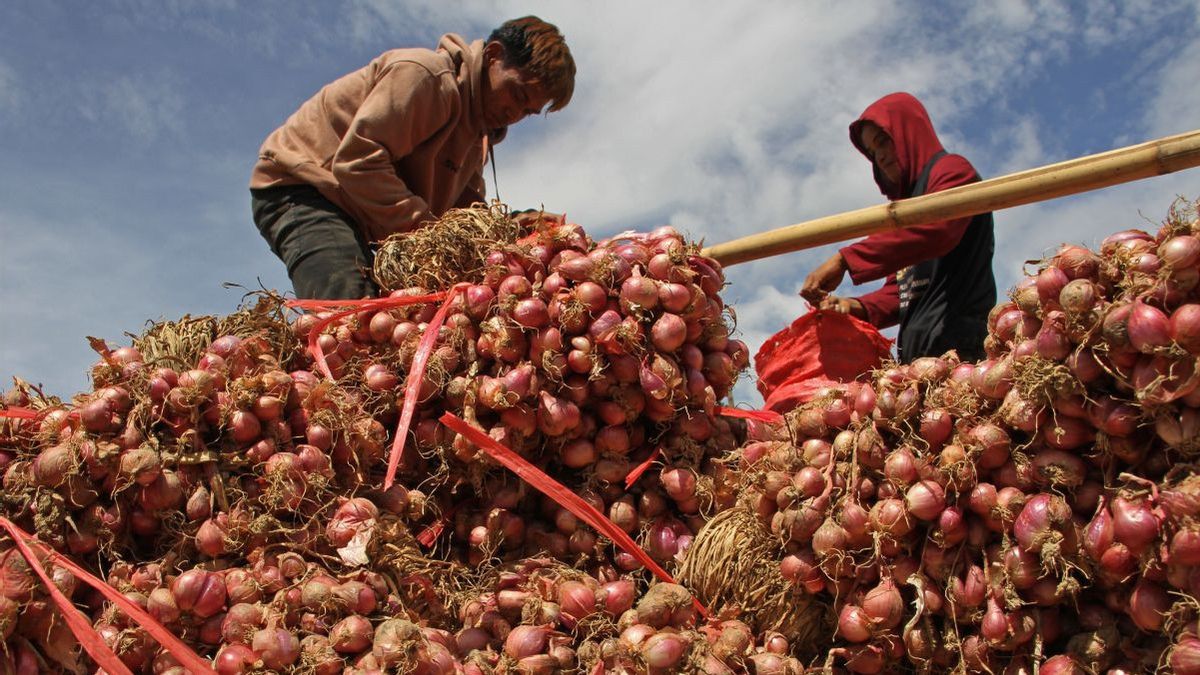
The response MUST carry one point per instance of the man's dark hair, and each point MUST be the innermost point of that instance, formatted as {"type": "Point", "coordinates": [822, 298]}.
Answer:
{"type": "Point", "coordinates": [537, 46]}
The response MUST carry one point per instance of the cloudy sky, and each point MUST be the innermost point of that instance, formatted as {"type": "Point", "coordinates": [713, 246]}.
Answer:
{"type": "Point", "coordinates": [128, 129]}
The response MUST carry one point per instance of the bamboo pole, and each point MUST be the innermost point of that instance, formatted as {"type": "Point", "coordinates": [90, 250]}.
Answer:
{"type": "Point", "coordinates": [1152, 158]}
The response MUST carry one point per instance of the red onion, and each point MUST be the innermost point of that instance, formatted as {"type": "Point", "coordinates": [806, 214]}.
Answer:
{"type": "Point", "coordinates": [1161, 379]}
{"type": "Point", "coordinates": [633, 253]}
{"type": "Point", "coordinates": [926, 500]}
{"type": "Point", "coordinates": [1148, 605]}
{"type": "Point", "coordinates": [854, 624]}
{"type": "Point", "coordinates": [351, 635]}
{"type": "Point", "coordinates": [668, 332]}
{"type": "Point", "coordinates": [276, 647]}
{"type": "Point", "coordinates": [1068, 433]}
{"type": "Point", "coordinates": [929, 369]}
{"type": "Point", "coordinates": [578, 453]}
{"type": "Point", "coordinates": [664, 650]}
{"type": "Point", "coordinates": [994, 626]}
{"type": "Point", "coordinates": [639, 294]}
{"type": "Point", "coordinates": [556, 416]}
{"type": "Point", "coordinates": [618, 596]}
{"type": "Point", "coordinates": [1052, 340]}
{"type": "Point", "coordinates": [679, 483]}
{"type": "Point", "coordinates": [674, 297]}
{"type": "Point", "coordinates": [1099, 535]}
{"type": "Point", "coordinates": [936, 427]}
{"type": "Point", "coordinates": [210, 537]}
{"type": "Point", "coordinates": [578, 268]}
{"type": "Point", "coordinates": [1149, 328]}
{"type": "Point", "coordinates": [1006, 324]}
{"type": "Point", "coordinates": [531, 313]}
{"type": "Point", "coordinates": [663, 539]}
{"type": "Point", "coordinates": [526, 641]}
{"type": "Point", "coordinates": [884, 604]}
{"type": "Point", "coordinates": [862, 659]}
{"type": "Point", "coordinates": [240, 622]}
{"type": "Point", "coordinates": [856, 523]}
{"type": "Point", "coordinates": [351, 517]}
{"type": "Point", "coordinates": [1076, 262]}
{"type": "Point", "coordinates": [666, 604]}
{"type": "Point", "coordinates": [1061, 664]}
{"type": "Point", "coordinates": [1184, 547]}
{"type": "Point", "coordinates": [830, 541]}
{"type": "Point", "coordinates": [1039, 527]}
{"type": "Point", "coordinates": [199, 592]}
{"type": "Point", "coordinates": [161, 605]}
{"type": "Point", "coordinates": [993, 378]}
{"type": "Point", "coordinates": [235, 659]}
{"type": "Point", "coordinates": [809, 481]}
{"type": "Point", "coordinates": [900, 466]}
{"type": "Point", "coordinates": [1113, 416]}
{"type": "Point", "coordinates": [889, 516]}
{"type": "Point", "coordinates": [576, 599]}
{"type": "Point", "coordinates": [1021, 413]}
{"type": "Point", "coordinates": [1184, 327]}
{"type": "Point", "coordinates": [1115, 325]}
{"type": "Point", "coordinates": [1058, 469]}
{"type": "Point", "coordinates": [1183, 658]}
{"type": "Point", "coordinates": [1179, 252]}
{"type": "Point", "coordinates": [1117, 563]}
{"type": "Point", "coordinates": [514, 287]}
{"type": "Point", "coordinates": [951, 526]}
{"type": "Point", "coordinates": [1079, 297]}
{"type": "Point", "coordinates": [477, 301]}
{"type": "Point", "coordinates": [1084, 365]}
{"type": "Point", "coordinates": [992, 443]}
{"type": "Point", "coordinates": [378, 377]}
{"type": "Point", "coordinates": [1050, 283]}
{"type": "Point", "coordinates": [1134, 523]}
{"type": "Point", "coordinates": [864, 402]}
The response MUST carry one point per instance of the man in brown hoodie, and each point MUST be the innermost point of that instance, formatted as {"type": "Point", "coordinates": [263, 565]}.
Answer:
{"type": "Point", "coordinates": [396, 144]}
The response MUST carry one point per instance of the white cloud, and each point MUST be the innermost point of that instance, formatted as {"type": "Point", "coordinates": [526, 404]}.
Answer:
{"type": "Point", "coordinates": [146, 106]}
{"type": "Point", "coordinates": [1174, 107]}
{"type": "Point", "coordinates": [10, 92]}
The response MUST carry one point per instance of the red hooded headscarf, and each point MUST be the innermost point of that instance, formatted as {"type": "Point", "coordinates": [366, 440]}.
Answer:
{"type": "Point", "coordinates": [904, 120]}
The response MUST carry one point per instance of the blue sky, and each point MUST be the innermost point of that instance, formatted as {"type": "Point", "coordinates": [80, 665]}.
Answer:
{"type": "Point", "coordinates": [129, 128]}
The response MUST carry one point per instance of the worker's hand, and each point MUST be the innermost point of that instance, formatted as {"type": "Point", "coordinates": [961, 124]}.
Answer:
{"type": "Point", "coordinates": [530, 217]}
{"type": "Point", "coordinates": [851, 306]}
{"type": "Point", "coordinates": [824, 279]}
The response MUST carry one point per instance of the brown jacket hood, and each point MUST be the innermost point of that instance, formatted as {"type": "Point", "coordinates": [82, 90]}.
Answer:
{"type": "Point", "coordinates": [395, 143]}
{"type": "Point", "coordinates": [905, 121]}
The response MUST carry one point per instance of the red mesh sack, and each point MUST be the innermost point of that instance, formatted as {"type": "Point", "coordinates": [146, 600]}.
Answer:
{"type": "Point", "coordinates": [819, 348]}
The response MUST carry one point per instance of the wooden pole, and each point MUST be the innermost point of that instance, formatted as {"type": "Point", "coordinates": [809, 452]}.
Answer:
{"type": "Point", "coordinates": [1152, 158]}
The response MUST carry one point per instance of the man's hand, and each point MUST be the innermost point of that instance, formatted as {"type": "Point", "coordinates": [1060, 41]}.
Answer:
{"type": "Point", "coordinates": [851, 306]}
{"type": "Point", "coordinates": [530, 217]}
{"type": "Point", "coordinates": [824, 279]}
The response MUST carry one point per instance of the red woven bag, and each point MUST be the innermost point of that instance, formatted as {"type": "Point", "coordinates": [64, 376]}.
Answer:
{"type": "Point", "coordinates": [818, 349]}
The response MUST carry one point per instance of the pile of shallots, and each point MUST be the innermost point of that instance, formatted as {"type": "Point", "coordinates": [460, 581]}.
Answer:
{"type": "Point", "coordinates": [236, 495]}
{"type": "Point", "coordinates": [1033, 512]}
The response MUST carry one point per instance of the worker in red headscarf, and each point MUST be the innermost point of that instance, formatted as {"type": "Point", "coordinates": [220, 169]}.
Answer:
{"type": "Point", "coordinates": [939, 286]}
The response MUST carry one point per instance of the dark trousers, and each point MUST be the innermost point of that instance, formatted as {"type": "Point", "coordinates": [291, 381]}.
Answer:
{"type": "Point", "coordinates": [326, 256]}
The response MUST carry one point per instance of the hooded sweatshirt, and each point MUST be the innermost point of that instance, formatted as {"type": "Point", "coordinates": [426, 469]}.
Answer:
{"type": "Point", "coordinates": [395, 143]}
{"type": "Point", "coordinates": [939, 286]}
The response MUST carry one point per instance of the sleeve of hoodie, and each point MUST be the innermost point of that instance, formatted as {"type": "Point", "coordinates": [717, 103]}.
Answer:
{"type": "Point", "coordinates": [407, 106]}
{"type": "Point", "coordinates": [475, 191]}
{"type": "Point", "coordinates": [883, 305]}
{"type": "Point", "coordinates": [887, 252]}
